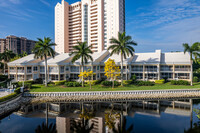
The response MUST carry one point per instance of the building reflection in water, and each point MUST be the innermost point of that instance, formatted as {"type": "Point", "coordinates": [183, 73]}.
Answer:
{"type": "Point", "coordinates": [66, 113]}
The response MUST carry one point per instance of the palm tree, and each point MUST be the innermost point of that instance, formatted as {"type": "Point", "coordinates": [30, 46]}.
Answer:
{"type": "Point", "coordinates": [43, 49]}
{"type": "Point", "coordinates": [82, 51]}
{"type": "Point", "coordinates": [82, 126]}
{"type": "Point", "coordinates": [123, 46]}
{"type": "Point", "coordinates": [193, 51]}
{"type": "Point", "coordinates": [123, 128]}
{"type": "Point", "coordinates": [6, 56]}
{"type": "Point", "coordinates": [46, 129]}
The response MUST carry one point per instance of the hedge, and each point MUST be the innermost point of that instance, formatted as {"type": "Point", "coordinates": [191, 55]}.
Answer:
{"type": "Point", "coordinates": [5, 98]}
{"type": "Point", "coordinates": [162, 81]}
{"type": "Point", "coordinates": [196, 79]}
{"type": "Point", "coordinates": [144, 83]}
{"type": "Point", "coordinates": [60, 82]}
{"type": "Point", "coordinates": [109, 83]}
{"type": "Point", "coordinates": [127, 82]}
{"type": "Point", "coordinates": [94, 82]}
{"type": "Point", "coordinates": [72, 84]}
{"type": "Point", "coordinates": [179, 82]}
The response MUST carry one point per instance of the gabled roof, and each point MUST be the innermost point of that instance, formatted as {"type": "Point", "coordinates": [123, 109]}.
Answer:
{"type": "Point", "coordinates": [24, 60]}
{"type": "Point", "coordinates": [57, 60]}
{"type": "Point", "coordinates": [175, 58]}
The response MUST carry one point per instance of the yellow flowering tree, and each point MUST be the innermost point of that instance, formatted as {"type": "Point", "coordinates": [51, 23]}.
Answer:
{"type": "Point", "coordinates": [88, 75]}
{"type": "Point", "coordinates": [112, 71]}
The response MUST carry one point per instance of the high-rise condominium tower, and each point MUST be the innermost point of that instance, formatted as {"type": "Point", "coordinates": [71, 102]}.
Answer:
{"type": "Point", "coordinates": [17, 45]}
{"type": "Point", "coordinates": [94, 21]}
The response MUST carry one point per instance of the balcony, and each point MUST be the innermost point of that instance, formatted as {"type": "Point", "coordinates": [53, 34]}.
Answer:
{"type": "Point", "coordinates": [151, 70]}
{"type": "Point", "coordinates": [20, 71]}
{"type": "Point", "coordinates": [182, 69]}
{"type": "Point", "coordinates": [29, 71]}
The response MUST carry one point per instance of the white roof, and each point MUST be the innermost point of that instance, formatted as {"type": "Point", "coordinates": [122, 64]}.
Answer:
{"type": "Point", "coordinates": [99, 58]}
{"type": "Point", "coordinates": [147, 58]}
{"type": "Point", "coordinates": [175, 58]}
{"type": "Point", "coordinates": [59, 58]}
{"type": "Point", "coordinates": [23, 60]}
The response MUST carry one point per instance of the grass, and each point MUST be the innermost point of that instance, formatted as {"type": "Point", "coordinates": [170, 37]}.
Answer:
{"type": "Point", "coordinates": [53, 88]}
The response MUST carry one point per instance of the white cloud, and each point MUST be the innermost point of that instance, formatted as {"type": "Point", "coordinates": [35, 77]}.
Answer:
{"type": "Point", "coordinates": [45, 2]}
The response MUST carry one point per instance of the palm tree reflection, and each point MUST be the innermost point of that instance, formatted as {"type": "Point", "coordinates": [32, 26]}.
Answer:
{"type": "Point", "coordinates": [46, 129]}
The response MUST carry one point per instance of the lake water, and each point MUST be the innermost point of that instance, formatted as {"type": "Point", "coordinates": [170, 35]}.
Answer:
{"type": "Point", "coordinates": [173, 116]}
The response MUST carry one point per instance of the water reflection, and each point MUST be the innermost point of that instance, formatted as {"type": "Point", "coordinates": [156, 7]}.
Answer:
{"type": "Point", "coordinates": [45, 128]}
{"type": "Point", "coordinates": [98, 117]}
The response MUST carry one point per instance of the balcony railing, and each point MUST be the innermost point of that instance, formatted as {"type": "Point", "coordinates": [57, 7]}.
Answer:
{"type": "Point", "coordinates": [182, 69]}
{"type": "Point", "coordinates": [20, 71]}
{"type": "Point", "coordinates": [151, 70]}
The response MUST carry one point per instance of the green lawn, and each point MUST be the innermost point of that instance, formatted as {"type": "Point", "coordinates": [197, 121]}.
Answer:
{"type": "Point", "coordinates": [53, 88]}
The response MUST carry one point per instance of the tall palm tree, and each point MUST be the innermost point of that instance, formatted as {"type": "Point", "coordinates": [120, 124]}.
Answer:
{"type": "Point", "coordinates": [6, 56]}
{"type": "Point", "coordinates": [46, 129]}
{"type": "Point", "coordinates": [43, 49]}
{"type": "Point", "coordinates": [83, 52]}
{"type": "Point", "coordinates": [123, 46]}
{"type": "Point", "coordinates": [193, 51]}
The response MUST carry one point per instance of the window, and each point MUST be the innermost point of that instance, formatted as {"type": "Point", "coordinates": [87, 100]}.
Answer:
{"type": "Point", "coordinates": [182, 75]}
{"type": "Point", "coordinates": [53, 77]}
{"type": "Point", "coordinates": [182, 68]}
{"type": "Point", "coordinates": [35, 68]}
{"type": "Point", "coordinates": [167, 75]}
{"type": "Point", "coordinates": [137, 68]}
{"type": "Point", "coordinates": [42, 69]}
{"type": "Point", "coordinates": [151, 68]}
{"type": "Point", "coordinates": [62, 69]}
{"type": "Point", "coordinates": [151, 76]}
{"type": "Point", "coordinates": [35, 76]}
{"type": "Point", "coordinates": [29, 69]}
{"type": "Point", "coordinates": [53, 69]}
{"type": "Point", "coordinates": [67, 68]}
{"type": "Point", "coordinates": [166, 68]}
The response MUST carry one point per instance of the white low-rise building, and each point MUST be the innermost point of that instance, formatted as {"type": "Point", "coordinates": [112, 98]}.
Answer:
{"type": "Point", "coordinates": [146, 66]}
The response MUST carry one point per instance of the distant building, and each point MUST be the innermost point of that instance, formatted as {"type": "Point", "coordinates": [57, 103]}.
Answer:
{"type": "Point", "coordinates": [17, 44]}
{"type": "Point", "coordinates": [93, 21]}
{"type": "Point", "coordinates": [146, 66]}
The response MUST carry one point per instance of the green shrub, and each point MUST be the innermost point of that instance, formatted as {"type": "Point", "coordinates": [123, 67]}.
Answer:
{"type": "Point", "coordinates": [72, 84]}
{"type": "Point", "coordinates": [3, 77]}
{"type": "Point", "coordinates": [144, 83]}
{"type": "Point", "coordinates": [134, 78]}
{"type": "Point", "coordinates": [109, 83]}
{"type": "Point", "coordinates": [60, 82]}
{"type": "Point", "coordinates": [38, 81]}
{"type": "Point", "coordinates": [26, 84]}
{"type": "Point", "coordinates": [30, 81]}
{"type": "Point", "coordinates": [195, 79]}
{"type": "Point", "coordinates": [162, 81]}
{"type": "Point", "coordinates": [16, 92]}
{"type": "Point", "coordinates": [179, 82]}
{"type": "Point", "coordinates": [127, 82]}
{"type": "Point", "coordinates": [94, 82]}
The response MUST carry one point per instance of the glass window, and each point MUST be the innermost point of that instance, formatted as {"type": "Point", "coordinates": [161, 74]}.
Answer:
{"type": "Point", "coordinates": [35, 68]}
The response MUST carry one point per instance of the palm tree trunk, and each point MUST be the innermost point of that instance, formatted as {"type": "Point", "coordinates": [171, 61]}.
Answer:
{"type": "Point", "coordinates": [4, 68]}
{"type": "Point", "coordinates": [191, 73]}
{"type": "Point", "coordinates": [45, 71]}
{"type": "Point", "coordinates": [121, 69]}
{"type": "Point", "coordinates": [82, 76]}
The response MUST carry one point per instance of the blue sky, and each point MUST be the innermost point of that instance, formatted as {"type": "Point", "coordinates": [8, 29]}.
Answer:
{"type": "Point", "coordinates": [153, 24]}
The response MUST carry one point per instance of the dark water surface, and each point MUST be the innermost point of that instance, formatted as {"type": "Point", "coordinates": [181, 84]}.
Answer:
{"type": "Point", "coordinates": [147, 117]}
